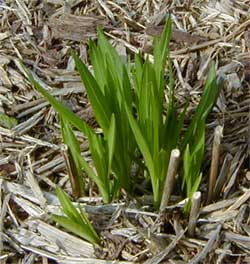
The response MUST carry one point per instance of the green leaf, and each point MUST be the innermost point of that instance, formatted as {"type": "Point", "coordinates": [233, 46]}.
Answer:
{"type": "Point", "coordinates": [67, 206]}
{"type": "Point", "coordinates": [161, 52]}
{"type": "Point", "coordinates": [58, 106]}
{"type": "Point", "coordinates": [95, 95]}
{"type": "Point", "coordinates": [99, 65]}
{"type": "Point", "coordinates": [101, 180]}
{"type": "Point", "coordinates": [74, 221]}
{"type": "Point", "coordinates": [7, 122]}
{"type": "Point", "coordinates": [111, 142]}
{"type": "Point", "coordinates": [142, 144]}
{"type": "Point", "coordinates": [87, 223]}
{"type": "Point", "coordinates": [205, 105]}
{"type": "Point", "coordinates": [75, 228]}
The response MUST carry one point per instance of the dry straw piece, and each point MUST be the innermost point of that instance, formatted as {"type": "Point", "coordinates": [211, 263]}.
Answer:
{"type": "Point", "coordinates": [170, 178]}
{"type": "Point", "coordinates": [194, 212]}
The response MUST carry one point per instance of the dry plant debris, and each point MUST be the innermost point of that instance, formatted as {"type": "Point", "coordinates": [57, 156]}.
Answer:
{"type": "Point", "coordinates": [42, 33]}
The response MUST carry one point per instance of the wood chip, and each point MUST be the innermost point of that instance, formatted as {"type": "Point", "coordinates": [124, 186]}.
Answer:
{"type": "Point", "coordinates": [65, 27]}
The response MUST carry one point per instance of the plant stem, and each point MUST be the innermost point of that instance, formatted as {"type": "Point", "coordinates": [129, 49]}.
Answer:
{"type": "Point", "coordinates": [194, 212]}
{"type": "Point", "coordinates": [76, 191]}
{"type": "Point", "coordinates": [170, 178]}
{"type": "Point", "coordinates": [218, 133]}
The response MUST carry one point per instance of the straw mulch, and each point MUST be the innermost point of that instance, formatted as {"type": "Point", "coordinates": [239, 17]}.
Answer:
{"type": "Point", "coordinates": [41, 34]}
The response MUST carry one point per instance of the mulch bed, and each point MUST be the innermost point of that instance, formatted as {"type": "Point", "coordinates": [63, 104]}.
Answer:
{"type": "Point", "coordinates": [42, 34]}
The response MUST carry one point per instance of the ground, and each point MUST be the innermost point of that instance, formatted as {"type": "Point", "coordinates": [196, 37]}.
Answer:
{"type": "Point", "coordinates": [41, 34]}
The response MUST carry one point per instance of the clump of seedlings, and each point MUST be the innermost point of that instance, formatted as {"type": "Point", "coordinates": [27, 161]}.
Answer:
{"type": "Point", "coordinates": [128, 100]}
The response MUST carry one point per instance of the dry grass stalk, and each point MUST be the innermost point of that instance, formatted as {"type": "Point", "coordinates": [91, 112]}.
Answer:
{"type": "Point", "coordinates": [236, 164]}
{"type": "Point", "coordinates": [194, 212]}
{"type": "Point", "coordinates": [214, 163]}
{"type": "Point", "coordinates": [223, 176]}
{"type": "Point", "coordinates": [170, 178]}
{"type": "Point", "coordinates": [241, 200]}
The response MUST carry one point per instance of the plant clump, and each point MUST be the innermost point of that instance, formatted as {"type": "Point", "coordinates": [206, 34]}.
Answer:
{"type": "Point", "coordinates": [128, 100]}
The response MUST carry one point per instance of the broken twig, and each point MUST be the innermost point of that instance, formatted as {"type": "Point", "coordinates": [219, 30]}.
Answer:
{"type": "Point", "coordinates": [194, 213]}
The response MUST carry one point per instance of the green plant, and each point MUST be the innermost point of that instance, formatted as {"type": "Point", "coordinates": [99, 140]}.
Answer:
{"type": "Point", "coordinates": [156, 133]}
{"type": "Point", "coordinates": [76, 221]}
{"type": "Point", "coordinates": [109, 90]}
{"type": "Point", "coordinates": [102, 152]}
{"type": "Point", "coordinates": [7, 122]}
{"type": "Point", "coordinates": [129, 105]}
{"type": "Point", "coordinates": [205, 105]}
{"type": "Point", "coordinates": [102, 149]}
{"type": "Point", "coordinates": [193, 143]}
{"type": "Point", "coordinates": [192, 162]}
